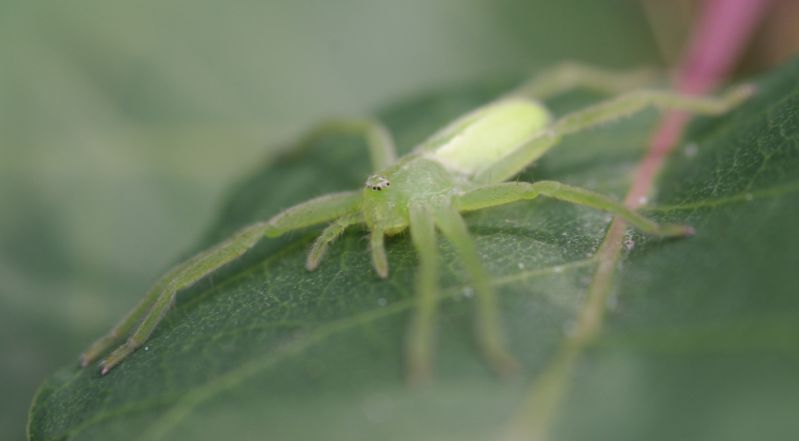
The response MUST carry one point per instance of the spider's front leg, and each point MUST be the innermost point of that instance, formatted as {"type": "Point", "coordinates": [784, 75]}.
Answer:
{"type": "Point", "coordinates": [419, 345]}
{"type": "Point", "coordinates": [146, 316]}
{"type": "Point", "coordinates": [151, 309]}
{"type": "Point", "coordinates": [421, 334]}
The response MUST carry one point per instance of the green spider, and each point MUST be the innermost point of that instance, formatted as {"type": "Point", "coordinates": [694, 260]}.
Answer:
{"type": "Point", "coordinates": [462, 167]}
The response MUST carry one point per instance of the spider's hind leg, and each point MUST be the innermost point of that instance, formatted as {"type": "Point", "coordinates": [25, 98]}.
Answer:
{"type": "Point", "coordinates": [570, 75]}
{"type": "Point", "coordinates": [604, 112]}
{"type": "Point", "coordinates": [633, 102]}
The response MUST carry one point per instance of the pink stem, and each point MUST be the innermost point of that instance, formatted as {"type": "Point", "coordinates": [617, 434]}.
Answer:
{"type": "Point", "coordinates": [724, 26]}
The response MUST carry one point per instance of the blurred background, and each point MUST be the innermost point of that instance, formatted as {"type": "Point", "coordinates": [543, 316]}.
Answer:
{"type": "Point", "coordinates": [122, 123]}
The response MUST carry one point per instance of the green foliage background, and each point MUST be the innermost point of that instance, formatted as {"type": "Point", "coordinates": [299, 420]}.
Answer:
{"type": "Point", "coordinates": [701, 341]}
{"type": "Point", "coordinates": [122, 124]}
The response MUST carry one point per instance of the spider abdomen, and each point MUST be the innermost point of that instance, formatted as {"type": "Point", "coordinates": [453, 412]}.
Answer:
{"type": "Point", "coordinates": [486, 136]}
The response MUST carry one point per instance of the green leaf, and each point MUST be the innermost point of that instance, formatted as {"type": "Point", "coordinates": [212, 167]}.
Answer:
{"type": "Point", "coordinates": [701, 340]}
{"type": "Point", "coordinates": [122, 122]}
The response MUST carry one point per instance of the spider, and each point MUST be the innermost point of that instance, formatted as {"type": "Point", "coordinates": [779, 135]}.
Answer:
{"type": "Point", "coordinates": [462, 167]}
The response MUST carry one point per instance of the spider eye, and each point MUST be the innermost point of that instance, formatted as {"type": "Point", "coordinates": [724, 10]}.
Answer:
{"type": "Point", "coordinates": [377, 183]}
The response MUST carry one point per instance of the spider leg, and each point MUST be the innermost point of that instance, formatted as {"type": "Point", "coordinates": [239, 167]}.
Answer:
{"type": "Point", "coordinates": [151, 310]}
{"type": "Point", "coordinates": [377, 245]}
{"type": "Point", "coordinates": [633, 102]}
{"type": "Point", "coordinates": [329, 234]}
{"type": "Point", "coordinates": [421, 332]}
{"type": "Point", "coordinates": [312, 212]}
{"type": "Point", "coordinates": [517, 161]}
{"type": "Point", "coordinates": [604, 112]}
{"type": "Point", "coordinates": [504, 193]}
{"type": "Point", "coordinates": [124, 326]}
{"type": "Point", "coordinates": [571, 75]}
{"type": "Point", "coordinates": [488, 327]}
{"type": "Point", "coordinates": [378, 139]}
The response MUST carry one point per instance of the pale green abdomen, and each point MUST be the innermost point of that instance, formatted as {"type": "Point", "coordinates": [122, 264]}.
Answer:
{"type": "Point", "coordinates": [487, 135]}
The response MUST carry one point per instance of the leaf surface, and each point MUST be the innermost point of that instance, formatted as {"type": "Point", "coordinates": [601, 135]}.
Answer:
{"type": "Point", "coordinates": [701, 339]}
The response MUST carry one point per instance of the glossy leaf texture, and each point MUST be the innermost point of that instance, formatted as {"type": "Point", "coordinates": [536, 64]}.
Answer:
{"type": "Point", "coordinates": [701, 339]}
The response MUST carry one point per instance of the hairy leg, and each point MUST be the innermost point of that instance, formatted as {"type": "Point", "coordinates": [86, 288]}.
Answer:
{"type": "Point", "coordinates": [570, 75]}
{"type": "Point", "coordinates": [124, 326]}
{"type": "Point", "coordinates": [381, 145]}
{"type": "Point", "coordinates": [604, 112]}
{"type": "Point", "coordinates": [507, 192]}
{"type": "Point", "coordinates": [133, 317]}
{"type": "Point", "coordinates": [633, 102]}
{"type": "Point", "coordinates": [421, 332]}
{"type": "Point", "coordinates": [156, 303]}
{"type": "Point", "coordinates": [312, 212]}
{"type": "Point", "coordinates": [195, 269]}
{"type": "Point", "coordinates": [329, 234]}
{"type": "Point", "coordinates": [379, 259]}
{"type": "Point", "coordinates": [489, 329]}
